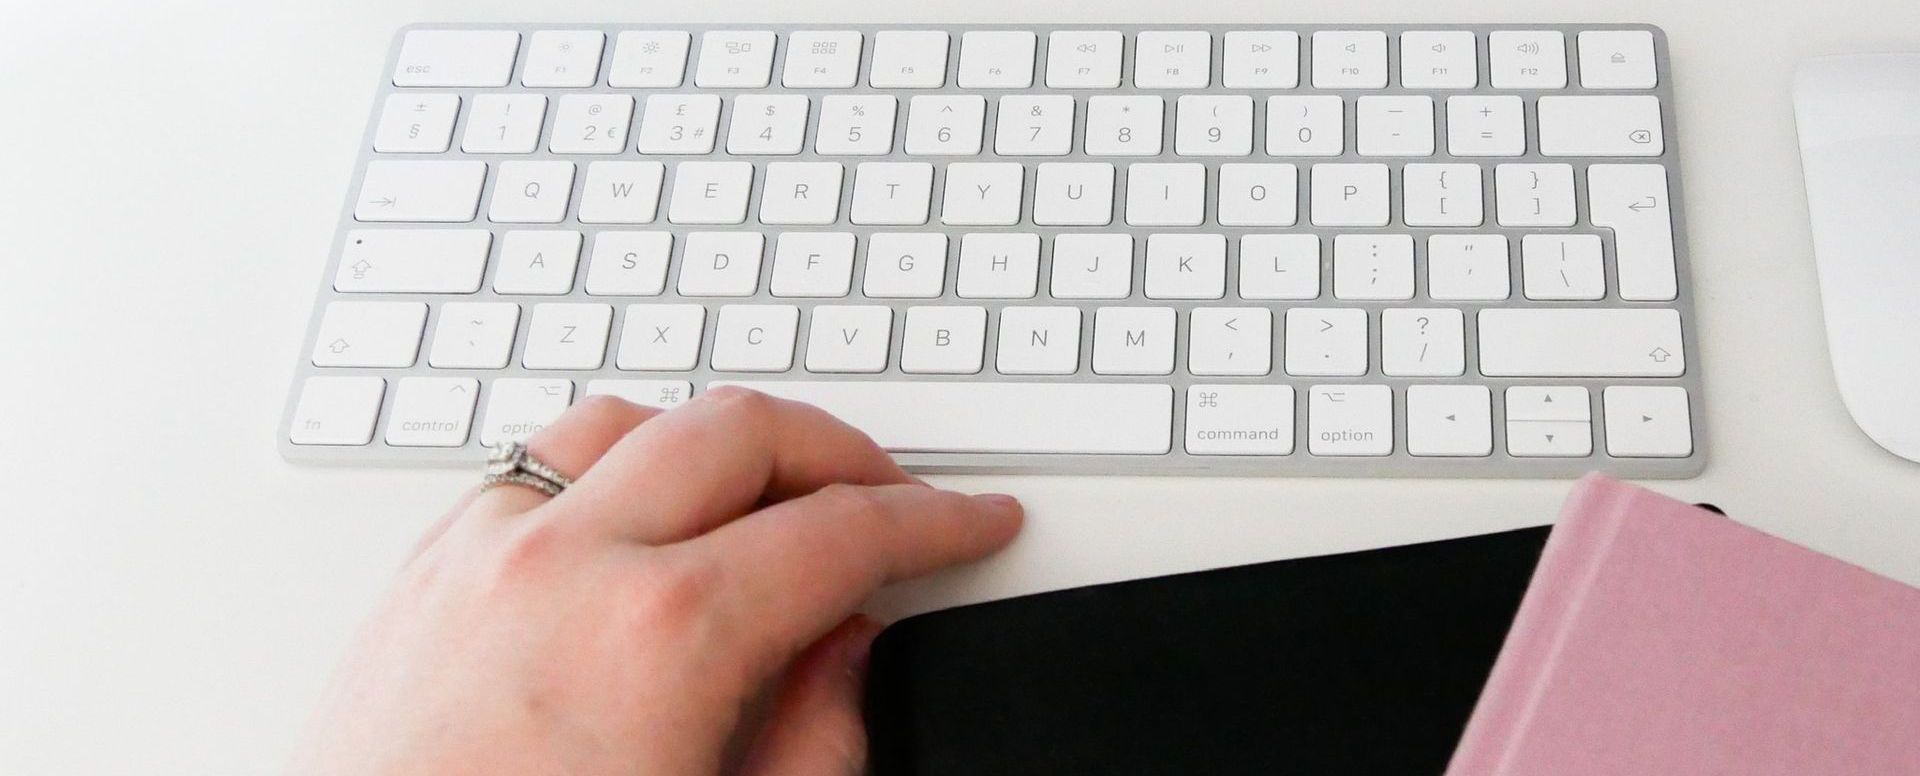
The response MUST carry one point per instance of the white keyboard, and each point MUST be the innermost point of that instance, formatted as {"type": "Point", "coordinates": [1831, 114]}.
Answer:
{"type": "Point", "coordinates": [1360, 251]}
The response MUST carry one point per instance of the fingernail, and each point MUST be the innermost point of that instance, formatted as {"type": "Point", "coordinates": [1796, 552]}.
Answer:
{"type": "Point", "coordinates": [999, 501]}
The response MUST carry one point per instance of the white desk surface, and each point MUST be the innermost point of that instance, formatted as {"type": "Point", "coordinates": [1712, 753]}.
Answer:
{"type": "Point", "coordinates": [172, 594]}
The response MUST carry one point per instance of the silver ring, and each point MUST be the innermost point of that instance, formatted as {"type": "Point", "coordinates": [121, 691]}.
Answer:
{"type": "Point", "coordinates": [509, 463]}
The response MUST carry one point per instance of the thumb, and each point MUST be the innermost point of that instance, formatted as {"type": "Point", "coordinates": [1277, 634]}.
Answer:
{"type": "Point", "coordinates": [815, 727]}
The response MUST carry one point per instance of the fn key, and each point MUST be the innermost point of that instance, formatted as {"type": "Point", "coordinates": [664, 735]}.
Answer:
{"type": "Point", "coordinates": [337, 411]}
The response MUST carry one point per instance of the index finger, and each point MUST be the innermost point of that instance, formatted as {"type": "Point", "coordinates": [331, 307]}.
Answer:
{"type": "Point", "coordinates": [797, 569]}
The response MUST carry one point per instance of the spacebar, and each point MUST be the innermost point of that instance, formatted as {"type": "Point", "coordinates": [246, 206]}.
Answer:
{"type": "Point", "coordinates": [954, 417]}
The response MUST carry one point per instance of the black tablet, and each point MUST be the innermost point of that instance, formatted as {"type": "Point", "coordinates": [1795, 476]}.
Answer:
{"type": "Point", "coordinates": [1361, 663]}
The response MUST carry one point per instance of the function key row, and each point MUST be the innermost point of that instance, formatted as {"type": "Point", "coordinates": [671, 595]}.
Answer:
{"type": "Point", "coordinates": [1006, 59]}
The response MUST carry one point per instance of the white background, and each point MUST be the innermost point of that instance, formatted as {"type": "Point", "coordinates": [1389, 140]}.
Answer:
{"type": "Point", "coordinates": [172, 594]}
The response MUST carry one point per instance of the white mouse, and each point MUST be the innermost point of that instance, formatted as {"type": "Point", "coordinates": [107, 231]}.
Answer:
{"type": "Point", "coordinates": [1859, 119]}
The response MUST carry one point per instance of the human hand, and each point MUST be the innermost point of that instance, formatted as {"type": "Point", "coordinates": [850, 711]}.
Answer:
{"type": "Point", "coordinates": [686, 607]}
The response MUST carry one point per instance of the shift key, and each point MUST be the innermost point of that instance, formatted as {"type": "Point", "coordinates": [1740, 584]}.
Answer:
{"type": "Point", "coordinates": [420, 191]}
{"type": "Point", "coordinates": [1579, 342]}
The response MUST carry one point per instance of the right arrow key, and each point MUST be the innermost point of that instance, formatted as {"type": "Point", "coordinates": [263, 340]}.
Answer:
{"type": "Point", "coordinates": [1648, 421]}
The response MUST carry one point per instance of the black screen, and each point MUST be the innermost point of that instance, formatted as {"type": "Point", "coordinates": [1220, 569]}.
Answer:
{"type": "Point", "coordinates": [1361, 663]}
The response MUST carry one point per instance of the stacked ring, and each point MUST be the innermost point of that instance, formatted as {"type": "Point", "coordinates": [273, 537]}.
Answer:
{"type": "Point", "coordinates": [509, 463]}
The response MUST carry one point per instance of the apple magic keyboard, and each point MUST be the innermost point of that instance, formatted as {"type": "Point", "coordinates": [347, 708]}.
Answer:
{"type": "Point", "coordinates": [1432, 250]}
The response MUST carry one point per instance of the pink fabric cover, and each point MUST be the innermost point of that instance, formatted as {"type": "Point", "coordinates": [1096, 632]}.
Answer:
{"type": "Point", "coordinates": [1659, 638]}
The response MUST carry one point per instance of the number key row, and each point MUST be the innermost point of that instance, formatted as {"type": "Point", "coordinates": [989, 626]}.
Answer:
{"type": "Point", "coordinates": [1024, 125]}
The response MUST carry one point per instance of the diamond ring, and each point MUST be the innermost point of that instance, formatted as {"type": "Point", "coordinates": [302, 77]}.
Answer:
{"type": "Point", "coordinates": [509, 463]}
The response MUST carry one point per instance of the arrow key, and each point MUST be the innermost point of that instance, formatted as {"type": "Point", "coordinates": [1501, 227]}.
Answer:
{"type": "Point", "coordinates": [1549, 438]}
{"type": "Point", "coordinates": [1449, 420]}
{"type": "Point", "coordinates": [1648, 421]}
{"type": "Point", "coordinates": [1543, 402]}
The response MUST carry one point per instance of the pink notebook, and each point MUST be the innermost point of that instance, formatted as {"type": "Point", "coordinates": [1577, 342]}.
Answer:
{"type": "Point", "coordinates": [1659, 638]}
